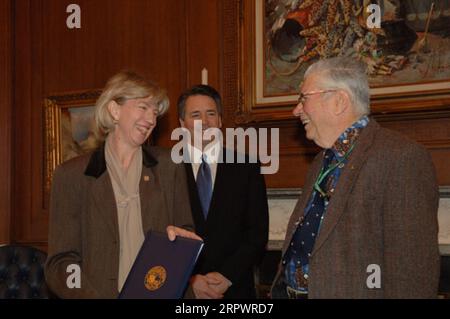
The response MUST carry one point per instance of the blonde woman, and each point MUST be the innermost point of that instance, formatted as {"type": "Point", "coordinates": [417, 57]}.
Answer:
{"type": "Point", "coordinates": [103, 203]}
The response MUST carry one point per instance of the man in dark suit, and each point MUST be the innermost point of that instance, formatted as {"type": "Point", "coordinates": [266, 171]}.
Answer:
{"type": "Point", "coordinates": [366, 223]}
{"type": "Point", "coordinates": [228, 202]}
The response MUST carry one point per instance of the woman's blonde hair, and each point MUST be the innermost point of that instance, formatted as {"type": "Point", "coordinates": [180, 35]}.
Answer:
{"type": "Point", "coordinates": [124, 86]}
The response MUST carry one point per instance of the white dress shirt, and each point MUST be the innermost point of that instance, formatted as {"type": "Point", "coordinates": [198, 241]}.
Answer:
{"type": "Point", "coordinates": [212, 152]}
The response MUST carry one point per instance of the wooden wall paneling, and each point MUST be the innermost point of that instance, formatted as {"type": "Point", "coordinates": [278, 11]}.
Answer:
{"type": "Point", "coordinates": [420, 128]}
{"type": "Point", "coordinates": [30, 222]}
{"type": "Point", "coordinates": [295, 152]}
{"type": "Point", "coordinates": [37, 228]}
{"type": "Point", "coordinates": [6, 103]}
{"type": "Point", "coordinates": [441, 160]}
{"type": "Point", "coordinates": [202, 37]}
{"type": "Point", "coordinates": [175, 68]}
{"type": "Point", "coordinates": [22, 120]}
{"type": "Point", "coordinates": [141, 35]}
{"type": "Point", "coordinates": [229, 59]}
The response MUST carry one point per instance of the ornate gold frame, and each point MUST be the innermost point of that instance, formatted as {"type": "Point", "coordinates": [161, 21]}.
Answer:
{"type": "Point", "coordinates": [53, 106]}
{"type": "Point", "coordinates": [429, 99]}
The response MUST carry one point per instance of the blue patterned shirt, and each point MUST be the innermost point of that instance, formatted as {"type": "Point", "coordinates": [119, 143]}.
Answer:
{"type": "Point", "coordinates": [343, 144]}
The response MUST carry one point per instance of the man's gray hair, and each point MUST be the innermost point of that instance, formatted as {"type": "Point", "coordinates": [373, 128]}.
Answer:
{"type": "Point", "coordinates": [347, 74]}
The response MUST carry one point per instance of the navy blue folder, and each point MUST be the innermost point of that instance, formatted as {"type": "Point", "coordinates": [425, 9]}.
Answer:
{"type": "Point", "coordinates": [162, 268]}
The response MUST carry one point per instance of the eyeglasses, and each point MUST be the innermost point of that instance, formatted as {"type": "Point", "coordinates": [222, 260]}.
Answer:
{"type": "Point", "coordinates": [303, 96]}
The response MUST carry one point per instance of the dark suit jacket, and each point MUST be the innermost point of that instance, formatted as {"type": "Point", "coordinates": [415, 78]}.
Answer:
{"type": "Point", "coordinates": [84, 224]}
{"type": "Point", "coordinates": [384, 212]}
{"type": "Point", "coordinates": [236, 230]}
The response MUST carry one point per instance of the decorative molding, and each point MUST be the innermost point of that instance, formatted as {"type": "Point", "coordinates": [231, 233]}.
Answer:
{"type": "Point", "coordinates": [75, 97]}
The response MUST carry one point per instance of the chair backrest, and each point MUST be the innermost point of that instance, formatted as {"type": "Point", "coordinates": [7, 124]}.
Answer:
{"type": "Point", "coordinates": [22, 273]}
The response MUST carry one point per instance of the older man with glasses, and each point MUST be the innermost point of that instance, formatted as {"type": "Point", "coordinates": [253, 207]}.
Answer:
{"type": "Point", "coordinates": [366, 223]}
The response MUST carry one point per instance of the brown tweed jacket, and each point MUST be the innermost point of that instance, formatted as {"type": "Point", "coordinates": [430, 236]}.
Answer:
{"type": "Point", "coordinates": [384, 212]}
{"type": "Point", "coordinates": [83, 226]}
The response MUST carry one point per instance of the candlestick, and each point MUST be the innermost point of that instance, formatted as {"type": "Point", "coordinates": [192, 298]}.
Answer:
{"type": "Point", "coordinates": [205, 76]}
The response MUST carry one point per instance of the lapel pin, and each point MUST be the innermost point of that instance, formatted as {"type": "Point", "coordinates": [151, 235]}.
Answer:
{"type": "Point", "coordinates": [146, 178]}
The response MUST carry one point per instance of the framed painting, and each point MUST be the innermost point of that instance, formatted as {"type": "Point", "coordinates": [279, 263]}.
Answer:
{"type": "Point", "coordinates": [68, 130]}
{"type": "Point", "coordinates": [408, 55]}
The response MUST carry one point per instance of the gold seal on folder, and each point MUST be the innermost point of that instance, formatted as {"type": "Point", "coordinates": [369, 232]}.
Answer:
{"type": "Point", "coordinates": [155, 278]}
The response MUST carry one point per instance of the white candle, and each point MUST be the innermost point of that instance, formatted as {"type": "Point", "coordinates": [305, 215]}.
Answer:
{"type": "Point", "coordinates": [205, 76]}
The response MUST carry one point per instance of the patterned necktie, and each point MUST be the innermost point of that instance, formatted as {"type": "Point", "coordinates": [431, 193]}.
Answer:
{"type": "Point", "coordinates": [204, 185]}
{"type": "Point", "coordinates": [306, 234]}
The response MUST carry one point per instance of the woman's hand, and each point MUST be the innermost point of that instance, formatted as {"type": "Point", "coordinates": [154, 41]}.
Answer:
{"type": "Point", "coordinates": [173, 232]}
